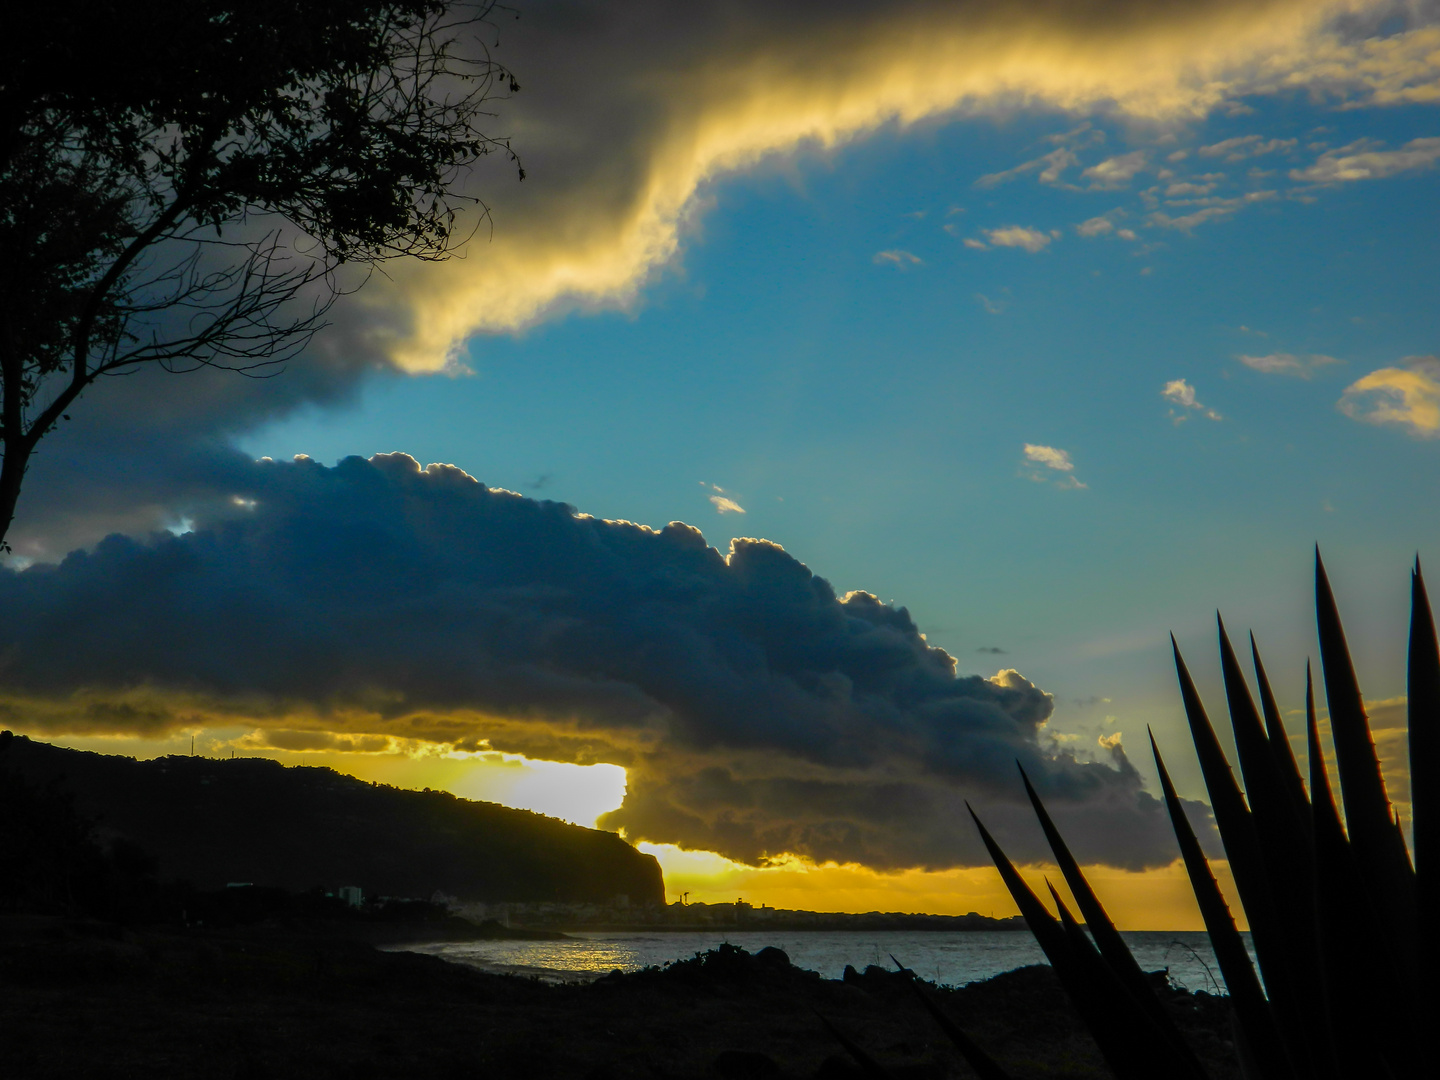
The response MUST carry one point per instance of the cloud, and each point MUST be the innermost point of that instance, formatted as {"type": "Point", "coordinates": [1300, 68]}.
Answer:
{"type": "Point", "coordinates": [1031, 240]}
{"type": "Point", "coordinates": [897, 257]}
{"type": "Point", "coordinates": [721, 500]}
{"type": "Point", "coordinates": [1095, 226]}
{"type": "Point", "coordinates": [978, 245]}
{"type": "Point", "coordinates": [1229, 146]}
{"type": "Point", "coordinates": [1245, 146]}
{"type": "Point", "coordinates": [1182, 393]}
{"type": "Point", "coordinates": [1211, 209]}
{"type": "Point", "coordinates": [1301, 367]}
{"type": "Point", "coordinates": [1115, 172]}
{"type": "Point", "coordinates": [632, 113]}
{"type": "Point", "coordinates": [615, 167]}
{"type": "Point", "coordinates": [1407, 397]}
{"type": "Point", "coordinates": [1180, 189]}
{"type": "Point", "coordinates": [1055, 460]}
{"type": "Point", "coordinates": [1359, 161]}
{"type": "Point", "coordinates": [1050, 457]}
{"type": "Point", "coordinates": [1049, 166]}
{"type": "Point", "coordinates": [757, 712]}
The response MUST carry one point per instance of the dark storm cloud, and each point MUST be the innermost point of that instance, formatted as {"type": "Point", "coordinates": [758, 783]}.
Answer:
{"type": "Point", "coordinates": [757, 712]}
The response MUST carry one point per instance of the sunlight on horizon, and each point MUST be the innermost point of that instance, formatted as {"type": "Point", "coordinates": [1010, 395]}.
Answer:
{"type": "Point", "coordinates": [1156, 899]}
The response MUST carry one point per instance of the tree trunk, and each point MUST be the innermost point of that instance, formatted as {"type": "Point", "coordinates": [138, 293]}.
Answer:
{"type": "Point", "coordinates": [12, 472]}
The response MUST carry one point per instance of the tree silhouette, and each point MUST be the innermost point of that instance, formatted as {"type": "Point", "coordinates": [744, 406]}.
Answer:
{"type": "Point", "coordinates": [180, 179]}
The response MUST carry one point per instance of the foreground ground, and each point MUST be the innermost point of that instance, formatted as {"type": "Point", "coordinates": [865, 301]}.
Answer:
{"type": "Point", "coordinates": [84, 1000]}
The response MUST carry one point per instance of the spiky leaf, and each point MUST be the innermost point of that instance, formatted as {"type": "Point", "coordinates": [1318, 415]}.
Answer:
{"type": "Point", "coordinates": [1279, 741]}
{"type": "Point", "coordinates": [1292, 976]}
{"type": "Point", "coordinates": [1424, 717]}
{"type": "Point", "coordinates": [1384, 867]}
{"type": "Point", "coordinates": [1247, 864]}
{"type": "Point", "coordinates": [1355, 978]}
{"type": "Point", "coordinates": [986, 1068]}
{"type": "Point", "coordinates": [1107, 939]}
{"type": "Point", "coordinates": [1252, 1010]}
{"type": "Point", "coordinates": [1131, 1045]}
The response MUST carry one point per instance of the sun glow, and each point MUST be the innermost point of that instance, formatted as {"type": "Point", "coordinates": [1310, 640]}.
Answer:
{"type": "Point", "coordinates": [575, 793]}
{"type": "Point", "coordinates": [1158, 899]}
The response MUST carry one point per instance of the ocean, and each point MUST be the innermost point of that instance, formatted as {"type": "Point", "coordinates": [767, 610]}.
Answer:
{"type": "Point", "coordinates": [944, 957]}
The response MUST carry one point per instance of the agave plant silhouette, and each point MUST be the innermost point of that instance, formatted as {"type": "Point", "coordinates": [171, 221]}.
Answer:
{"type": "Point", "coordinates": [1344, 924]}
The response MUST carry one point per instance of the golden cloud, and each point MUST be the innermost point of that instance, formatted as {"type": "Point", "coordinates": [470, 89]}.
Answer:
{"type": "Point", "coordinates": [629, 113]}
{"type": "Point", "coordinates": [1407, 397]}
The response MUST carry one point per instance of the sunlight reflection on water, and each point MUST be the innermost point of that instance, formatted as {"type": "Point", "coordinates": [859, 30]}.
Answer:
{"type": "Point", "coordinates": [948, 958]}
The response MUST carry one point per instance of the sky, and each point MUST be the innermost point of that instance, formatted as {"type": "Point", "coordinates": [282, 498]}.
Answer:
{"type": "Point", "coordinates": [976, 348]}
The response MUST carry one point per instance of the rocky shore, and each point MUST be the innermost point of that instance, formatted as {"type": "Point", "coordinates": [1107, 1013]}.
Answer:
{"type": "Point", "coordinates": [270, 1002]}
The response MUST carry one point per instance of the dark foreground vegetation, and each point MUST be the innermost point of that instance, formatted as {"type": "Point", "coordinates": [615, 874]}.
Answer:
{"type": "Point", "coordinates": [78, 999]}
{"type": "Point", "coordinates": [1337, 1003]}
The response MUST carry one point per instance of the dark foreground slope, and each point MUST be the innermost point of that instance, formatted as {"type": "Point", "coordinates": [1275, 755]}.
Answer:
{"type": "Point", "coordinates": [212, 1006]}
{"type": "Point", "coordinates": [211, 822]}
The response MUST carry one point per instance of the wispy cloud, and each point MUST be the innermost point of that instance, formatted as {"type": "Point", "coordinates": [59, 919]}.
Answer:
{"type": "Point", "coordinates": [1301, 367]}
{"type": "Point", "coordinates": [1095, 226]}
{"type": "Point", "coordinates": [721, 500]}
{"type": "Point", "coordinates": [1115, 172]}
{"type": "Point", "coordinates": [1045, 461]}
{"type": "Point", "coordinates": [994, 307]}
{"type": "Point", "coordinates": [897, 257]}
{"type": "Point", "coordinates": [1019, 236]}
{"type": "Point", "coordinates": [1180, 392]}
{"type": "Point", "coordinates": [1210, 209]}
{"type": "Point", "coordinates": [1049, 167]}
{"type": "Point", "coordinates": [1407, 397]}
{"type": "Point", "coordinates": [1361, 161]}
{"type": "Point", "coordinates": [1183, 188]}
{"type": "Point", "coordinates": [1245, 146]}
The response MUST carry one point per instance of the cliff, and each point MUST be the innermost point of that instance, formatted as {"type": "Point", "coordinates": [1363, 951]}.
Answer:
{"type": "Point", "coordinates": [215, 821]}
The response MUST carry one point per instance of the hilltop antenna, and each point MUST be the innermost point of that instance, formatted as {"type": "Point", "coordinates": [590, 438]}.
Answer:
{"type": "Point", "coordinates": [192, 745]}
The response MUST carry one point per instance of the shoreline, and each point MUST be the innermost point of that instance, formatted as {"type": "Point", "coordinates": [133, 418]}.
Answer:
{"type": "Point", "coordinates": [262, 1002]}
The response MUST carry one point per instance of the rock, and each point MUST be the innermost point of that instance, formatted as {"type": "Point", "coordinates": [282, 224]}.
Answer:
{"type": "Point", "coordinates": [770, 956]}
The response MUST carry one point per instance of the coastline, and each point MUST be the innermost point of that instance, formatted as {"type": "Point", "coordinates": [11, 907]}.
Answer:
{"type": "Point", "coordinates": [279, 1002]}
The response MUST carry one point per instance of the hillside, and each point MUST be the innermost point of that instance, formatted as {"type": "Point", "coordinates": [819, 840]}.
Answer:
{"type": "Point", "coordinates": [214, 821]}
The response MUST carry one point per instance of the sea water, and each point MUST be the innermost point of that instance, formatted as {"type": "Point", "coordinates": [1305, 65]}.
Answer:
{"type": "Point", "coordinates": [949, 958]}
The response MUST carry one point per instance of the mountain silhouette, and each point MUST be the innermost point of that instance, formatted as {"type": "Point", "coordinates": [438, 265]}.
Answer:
{"type": "Point", "coordinates": [215, 821]}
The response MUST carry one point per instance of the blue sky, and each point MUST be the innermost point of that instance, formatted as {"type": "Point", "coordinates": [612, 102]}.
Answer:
{"type": "Point", "coordinates": [870, 412]}
{"type": "Point", "coordinates": [1059, 325]}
